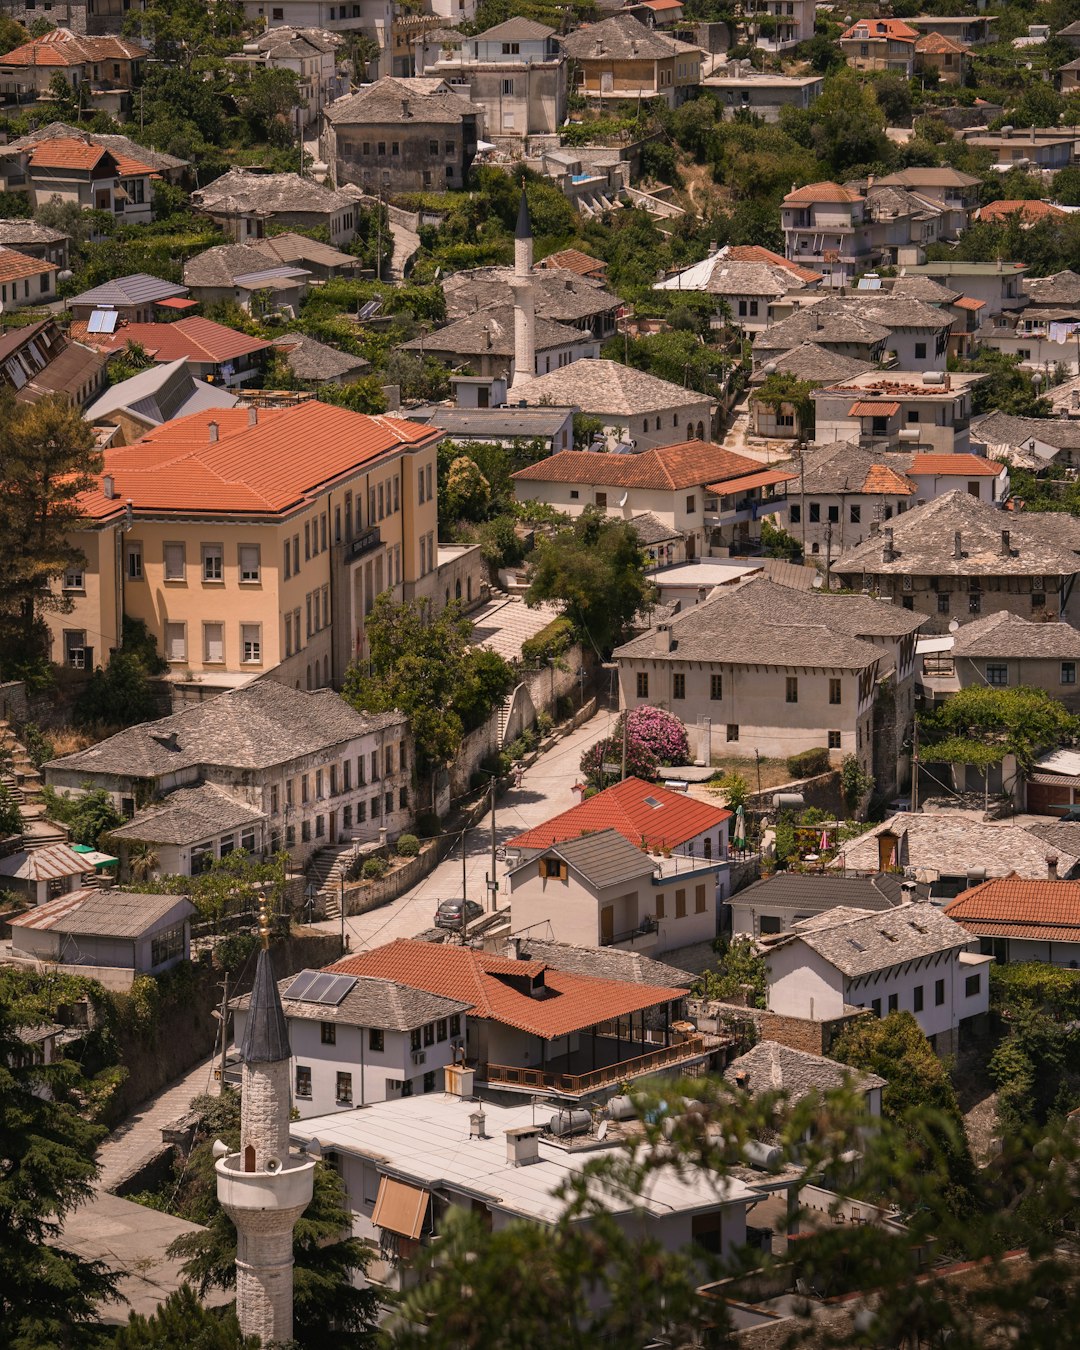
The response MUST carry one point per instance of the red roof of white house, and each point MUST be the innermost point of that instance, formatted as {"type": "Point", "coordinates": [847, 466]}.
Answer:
{"type": "Point", "coordinates": [637, 809]}
{"type": "Point", "coordinates": [499, 988]}
{"type": "Point", "coordinates": [663, 467]}
{"type": "Point", "coordinates": [893, 29]}
{"type": "Point", "coordinates": [1042, 911]}
{"type": "Point", "coordinates": [960, 466]}
{"type": "Point", "coordinates": [821, 192]}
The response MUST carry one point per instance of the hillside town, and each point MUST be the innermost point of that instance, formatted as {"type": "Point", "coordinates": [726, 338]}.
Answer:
{"type": "Point", "coordinates": [539, 707]}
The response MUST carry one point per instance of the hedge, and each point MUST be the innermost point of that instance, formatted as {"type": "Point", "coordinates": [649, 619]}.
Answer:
{"type": "Point", "coordinates": [807, 763]}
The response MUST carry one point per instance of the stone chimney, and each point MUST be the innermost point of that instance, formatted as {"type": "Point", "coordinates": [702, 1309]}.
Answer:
{"type": "Point", "coordinates": [1051, 867]}
{"type": "Point", "coordinates": [523, 1145]}
{"type": "Point", "coordinates": [957, 545]}
{"type": "Point", "coordinates": [662, 637]}
{"type": "Point", "coordinates": [888, 553]}
{"type": "Point", "coordinates": [108, 487]}
{"type": "Point", "coordinates": [875, 527]}
{"type": "Point", "coordinates": [405, 111]}
{"type": "Point", "coordinates": [253, 416]}
{"type": "Point", "coordinates": [1006, 549]}
{"type": "Point", "coordinates": [213, 431]}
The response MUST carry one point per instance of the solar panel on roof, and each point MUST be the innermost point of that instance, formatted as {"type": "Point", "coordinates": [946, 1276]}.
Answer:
{"type": "Point", "coordinates": [869, 284]}
{"type": "Point", "coordinates": [301, 984]}
{"type": "Point", "coordinates": [651, 801]}
{"type": "Point", "coordinates": [320, 986]}
{"type": "Point", "coordinates": [369, 310]}
{"type": "Point", "coordinates": [102, 321]}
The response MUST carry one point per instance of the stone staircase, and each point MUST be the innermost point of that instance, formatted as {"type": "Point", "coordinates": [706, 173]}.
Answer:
{"type": "Point", "coordinates": [325, 871]}
{"type": "Point", "coordinates": [24, 783]}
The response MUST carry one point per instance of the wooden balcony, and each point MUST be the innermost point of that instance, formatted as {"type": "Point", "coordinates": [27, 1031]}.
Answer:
{"type": "Point", "coordinates": [553, 1079]}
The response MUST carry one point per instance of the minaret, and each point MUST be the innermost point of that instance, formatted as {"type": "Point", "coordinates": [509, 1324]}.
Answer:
{"type": "Point", "coordinates": [522, 285]}
{"type": "Point", "coordinates": [262, 1188]}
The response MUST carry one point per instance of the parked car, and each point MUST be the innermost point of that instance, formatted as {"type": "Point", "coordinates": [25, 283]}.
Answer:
{"type": "Point", "coordinates": [448, 915]}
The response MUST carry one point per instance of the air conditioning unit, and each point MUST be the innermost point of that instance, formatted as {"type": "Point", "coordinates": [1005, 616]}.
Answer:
{"type": "Point", "coordinates": [419, 1057]}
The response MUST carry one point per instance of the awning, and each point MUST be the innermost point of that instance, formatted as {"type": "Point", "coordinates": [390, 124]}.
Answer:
{"type": "Point", "coordinates": [400, 1208]}
{"type": "Point", "coordinates": [765, 478]}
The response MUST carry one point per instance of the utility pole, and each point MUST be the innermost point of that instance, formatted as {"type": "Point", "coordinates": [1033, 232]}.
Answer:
{"type": "Point", "coordinates": [828, 556]}
{"type": "Point", "coordinates": [341, 878]}
{"type": "Point", "coordinates": [493, 885]}
{"type": "Point", "coordinates": [915, 764]}
{"type": "Point", "coordinates": [802, 495]}
{"type": "Point", "coordinates": [224, 1028]}
{"type": "Point", "coordinates": [464, 887]}
{"type": "Point", "coordinates": [622, 776]}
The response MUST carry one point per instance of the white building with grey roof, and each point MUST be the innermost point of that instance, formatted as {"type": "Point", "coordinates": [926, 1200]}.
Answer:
{"type": "Point", "coordinates": [299, 770]}
{"type": "Point", "coordinates": [559, 296]}
{"type": "Point", "coordinates": [243, 202]}
{"type": "Point", "coordinates": [912, 959]}
{"type": "Point", "coordinates": [484, 343]}
{"type": "Point", "coordinates": [357, 1040]}
{"type": "Point", "coordinates": [770, 1067]}
{"type": "Point", "coordinates": [774, 903]}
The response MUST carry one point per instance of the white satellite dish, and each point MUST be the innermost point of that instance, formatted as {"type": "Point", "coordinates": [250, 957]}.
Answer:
{"type": "Point", "coordinates": [954, 624]}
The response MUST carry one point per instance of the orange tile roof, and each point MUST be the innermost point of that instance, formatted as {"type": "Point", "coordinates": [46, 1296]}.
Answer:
{"type": "Point", "coordinates": [822, 192]}
{"type": "Point", "coordinates": [880, 478]}
{"type": "Point", "coordinates": [894, 29]}
{"type": "Point", "coordinates": [663, 467]}
{"type": "Point", "coordinates": [758, 253]}
{"type": "Point", "coordinates": [62, 48]}
{"type": "Point", "coordinates": [1044, 911]}
{"type": "Point", "coordinates": [962, 466]}
{"type": "Point", "coordinates": [765, 478]}
{"type": "Point", "coordinates": [626, 807]}
{"type": "Point", "coordinates": [1027, 210]}
{"type": "Point", "coordinates": [190, 339]}
{"type": "Point", "coordinates": [573, 260]}
{"type": "Point", "coordinates": [485, 982]}
{"type": "Point", "coordinates": [937, 44]}
{"type": "Point", "coordinates": [14, 266]}
{"type": "Point", "coordinates": [969, 302]}
{"type": "Point", "coordinates": [77, 152]}
{"type": "Point", "coordinates": [262, 469]}
{"type": "Point", "coordinates": [873, 407]}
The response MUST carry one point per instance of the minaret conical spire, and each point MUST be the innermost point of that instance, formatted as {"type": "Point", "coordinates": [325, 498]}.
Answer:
{"type": "Point", "coordinates": [266, 1036]}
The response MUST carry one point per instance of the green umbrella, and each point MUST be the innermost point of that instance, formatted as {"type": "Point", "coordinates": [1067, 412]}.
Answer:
{"type": "Point", "coordinates": [740, 829]}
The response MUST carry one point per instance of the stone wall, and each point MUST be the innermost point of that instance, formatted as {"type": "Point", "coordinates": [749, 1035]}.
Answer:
{"type": "Point", "coordinates": [822, 791]}
{"type": "Point", "coordinates": [13, 702]}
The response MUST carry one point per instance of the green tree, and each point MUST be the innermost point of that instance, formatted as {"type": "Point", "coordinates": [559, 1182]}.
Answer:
{"type": "Point", "coordinates": [363, 396]}
{"type": "Point", "coordinates": [777, 543]}
{"type": "Point", "coordinates": [981, 725]}
{"type": "Point", "coordinates": [48, 1294]}
{"type": "Point", "coordinates": [47, 460]}
{"type": "Point", "coordinates": [467, 494]}
{"type": "Point", "coordinates": [12, 34]}
{"type": "Point", "coordinates": [90, 816]}
{"type": "Point", "coordinates": [594, 567]}
{"type": "Point", "coordinates": [855, 782]}
{"type": "Point", "coordinates": [117, 695]}
{"type": "Point", "coordinates": [1009, 388]}
{"type": "Point", "coordinates": [779, 389]}
{"type": "Point", "coordinates": [327, 1309]}
{"type": "Point", "coordinates": [422, 663]}
{"type": "Point", "coordinates": [739, 966]}
{"type": "Point", "coordinates": [848, 126]}
{"type": "Point", "coordinates": [269, 99]}
{"type": "Point", "coordinates": [66, 101]}
{"type": "Point", "coordinates": [10, 815]}
{"type": "Point", "coordinates": [182, 1320]}
{"type": "Point", "coordinates": [918, 1097]}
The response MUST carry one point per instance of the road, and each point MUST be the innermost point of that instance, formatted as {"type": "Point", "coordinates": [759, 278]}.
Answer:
{"type": "Point", "coordinates": [544, 792]}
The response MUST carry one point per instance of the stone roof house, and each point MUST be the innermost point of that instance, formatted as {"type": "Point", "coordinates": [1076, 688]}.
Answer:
{"type": "Point", "coordinates": [484, 344]}
{"type": "Point", "coordinates": [621, 58]}
{"type": "Point", "coordinates": [1029, 442]}
{"type": "Point", "coordinates": [774, 903]}
{"type": "Point", "coordinates": [314, 362]}
{"type": "Point", "coordinates": [844, 493]}
{"type": "Point", "coordinates": [244, 202]}
{"type": "Point", "coordinates": [772, 1067]}
{"type": "Point", "coordinates": [959, 558]}
{"type": "Point", "coordinates": [558, 296]}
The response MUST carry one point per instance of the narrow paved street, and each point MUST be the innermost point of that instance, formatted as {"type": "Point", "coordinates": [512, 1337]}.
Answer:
{"type": "Point", "coordinates": [544, 791]}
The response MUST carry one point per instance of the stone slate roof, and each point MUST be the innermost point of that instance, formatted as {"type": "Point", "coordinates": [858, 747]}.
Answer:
{"type": "Point", "coordinates": [263, 724]}
{"type": "Point", "coordinates": [720, 275]}
{"type": "Point", "coordinates": [608, 388]}
{"type": "Point", "coordinates": [491, 423]}
{"type": "Point", "coordinates": [558, 295]}
{"type": "Point", "coordinates": [926, 289]}
{"type": "Point", "coordinates": [604, 859]}
{"type": "Point", "coordinates": [651, 530]}
{"type": "Point", "coordinates": [924, 544]}
{"type": "Point", "coordinates": [621, 38]}
{"type": "Point", "coordinates": [430, 102]}
{"type": "Point", "coordinates": [116, 145]}
{"type": "Point", "coordinates": [298, 248]}
{"type": "Point", "coordinates": [16, 232]}
{"type": "Point", "coordinates": [857, 942]}
{"type": "Point", "coordinates": [1063, 288]}
{"type": "Point", "coordinates": [244, 192]}
{"type": "Point", "coordinates": [998, 428]}
{"type": "Point", "coordinates": [516, 30]}
{"type": "Point", "coordinates": [843, 467]}
{"type": "Point", "coordinates": [955, 843]}
{"type": "Point", "coordinates": [772, 1067]}
{"type": "Point", "coordinates": [309, 359]}
{"type": "Point", "coordinates": [220, 266]}
{"type": "Point", "coordinates": [281, 43]}
{"type": "Point", "coordinates": [800, 891]}
{"type": "Point", "coordinates": [491, 331]}
{"type": "Point", "coordinates": [820, 326]}
{"type": "Point", "coordinates": [810, 361]}
{"type": "Point", "coordinates": [370, 1002]}
{"type": "Point", "coordinates": [188, 816]}
{"type": "Point", "coordinates": [138, 289]}
{"type": "Point", "coordinates": [1009, 636]}
{"type": "Point", "coordinates": [610, 963]}
{"type": "Point", "coordinates": [931, 177]}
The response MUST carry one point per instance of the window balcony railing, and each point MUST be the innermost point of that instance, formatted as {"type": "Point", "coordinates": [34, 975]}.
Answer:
{"type": "Point", "coordinates": [577, 1084]}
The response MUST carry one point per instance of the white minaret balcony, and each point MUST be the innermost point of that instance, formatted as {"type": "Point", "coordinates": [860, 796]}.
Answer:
{"type": "Point", "coordinates": [285, 1187]}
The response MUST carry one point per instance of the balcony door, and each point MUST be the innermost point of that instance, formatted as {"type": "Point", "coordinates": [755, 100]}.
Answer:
{"type": "Point", "coordinates": [607, 925]}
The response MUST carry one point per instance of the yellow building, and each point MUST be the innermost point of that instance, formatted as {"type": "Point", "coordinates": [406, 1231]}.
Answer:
{"type": "Point", "coordinates": [620, 58]}
{"type": "Point", "coordinates": [251, 539]}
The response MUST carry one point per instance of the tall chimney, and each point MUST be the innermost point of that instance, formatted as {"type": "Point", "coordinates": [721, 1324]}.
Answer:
{"type": "Point", "coordinates": [253, 416]}
{"type": "Point", "coordinates": [108, 487]}
{"type": "Point", "coordinates": [888, 553]}
{"type": "Point", "coordinates": [1051, 868]}
{"type": "Point", "coordinates": [957, 545]}
{"type": "Point", "coordinates": [1006, 549]}
{"type": "Point", "coordinates": [213, 430]}
{"type": "Point", "coordinates": [875, 527]}
{"type": "Point", "coordinates": [662, 638]}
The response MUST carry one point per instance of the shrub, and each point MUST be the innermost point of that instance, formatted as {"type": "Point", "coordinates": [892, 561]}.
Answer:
{"type": "Point", "coordinates": [517, 749]}
{"type": "Point", "coordinates": [373, 869]}
{"type": "Point", "coordinates": [544, 723]}
{"type": "Point", "coordinates": [428, 825]}
{"type": "Point", "coordinates": [808, 762]}
{"type": "Point", "coordinates": [564, 707]}
{"type": "Point", "coordinates": [231, 953]}
{"type": "Point", "coordinates": [408, 846]}
{"type": "Point", "coordinates": [552, 640]}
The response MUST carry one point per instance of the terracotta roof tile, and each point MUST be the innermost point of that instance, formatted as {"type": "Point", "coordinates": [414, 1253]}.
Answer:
{"type": "Point", "coordinates": [60, 47]}
{"type": "Point", "coordinates": [937, 44]}
{"type": "Point", "coordinates": [73, 152]}
{"type": "Point", "coordinates": [963, 466]}
{"type": "Point", "coordinates": [1043, 910]}
{"type": "Point", "coordinates": [969, 302]}
{"type": "Point", "coordinates": [881, 478]}
{"type": "Point", "coordinates": [262, 469]}
{"type": "Point", "coordinates": [484, 982]}
{"type": "Point", "coordinates": [665, 467]}
{"type": "Point", "coordinates": [1027, 210]}
{"type": "Point", "coordinates": [893, 29]}
{"type": "Point", "coordinates": [763, 478]}
{"type": "Point", "coordinates": [627, 807]}
{"type": "Point", "coordinates": [822, 192]}
{"type": "Point", "coordinates": [873, 408]}
{"type": "Point", "coordinates": [14, 266]}
{"type": "Point", "coordinates": [191, 339]}
{"type": "Point", "coordinates": [573, 260]}
{"type": "Point", "coordinates": [758, 253]}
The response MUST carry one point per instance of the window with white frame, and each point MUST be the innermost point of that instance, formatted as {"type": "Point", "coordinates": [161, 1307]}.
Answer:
{"type": "Point", "coordinates": [176, 642]}
{"type": "Point", "coordinates": [213, 562]}
{"type": "Point", "coordinates": [74, 579]}
{"type": "Point", "coordinates": [250, 571]}
{"type": "Point", "coordinates": [133, 552]}
{"type": "Point", "coordinates": [251, 643]}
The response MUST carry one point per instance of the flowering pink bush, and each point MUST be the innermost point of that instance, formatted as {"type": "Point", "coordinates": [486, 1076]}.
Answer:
{"type": "Point", "coordinates": [653, 737]}
{"type": "Point", "coordinates": [640, 763]}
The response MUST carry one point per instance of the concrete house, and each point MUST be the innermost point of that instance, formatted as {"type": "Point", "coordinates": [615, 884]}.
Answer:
{"type": "Point", "coordinates": [170, 168]}
{"type": "Point", "coordinates": [102, 70]}
{"type": "Point", "coordinates": [810, 362]}
{"type": "Point", "coordinates": [1037, 148]}
{"type": "Point", "coordinates": [768, 669]}
{"type": "Point", "coordinates": [110, 936]}
{"type": "Point", "coordinates": [212, 351]}
{"type": "Point", "coordinates": [532, 1026]}
{"type": "Point", "coordinates": [134, 299]}
{"type": "Point", "coordinates": [406, 1164]}
{"type": "Point", "coordinates": [754, 287]}
{"type": "Point", "coordinates": [999, 285]}
{"type": "Point", "coordinates": [262, 767]}
{"type": "Point", "coordinates": [776, 25]}
{"type": "Point", "coordinates": [955, 192]}
{"type": "Point", "coordinates": [310, 53]}
{"type": "Point", "coordinates": [621, 58]}
{"type": "Point", "coordinates": [244, 202]}
{"type": "Point", "coordinates": [634, 406]}
{"type": "Point", "coordinates": [25, 280]}
{"type": "Point", "coordinates": [774, 904]}
{"type": "Point", "coordinates": [958, 558]}
{"type": "Point", "coordinates": [912, 959]}
{"type": "Point", "coordinates": [1018, 920]}
{"type": "Point", "coordinates": [844, 494]}
{"type": "Point", "coordinates": [255, 540]}
{"type": "Point", "coordinates": [81, 170]}
{"type": "Point", "coordinates": [516, 72]}
{"type": "Point", "coordinates": [880, 44]}
{"type": "Point", "coordinates": [249, 277]}
{"type": "Point", "coordinates": [916, 335]}
{"type": "Point", "coordinates": [828, 228]}
{"type": "Point", "coordinates": [358, 1040]}
{"type": "Point", "coordinates": [987, 480]}
{"type": "Point", "coordinates": [917, 411]}
{"type": "Point", "coordinates": [402, 135]}
{"type": "Point", "coordinates": [1037, 443]}
{"type": "Point", "coordinates": [703, 494]}
{"type": "Point", "coordinates": [600, 890]}
{"type": "Point", "coordinates": [762, 94]}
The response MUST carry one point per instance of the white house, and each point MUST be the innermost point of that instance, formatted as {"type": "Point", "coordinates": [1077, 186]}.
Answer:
{"type": "Point", "coordinates": [357, 1040]}
{"type": "Point", "coordinates": [600, 890]}
{"type": "Point", "coordinates": [774, 904]}
{"type": "Point", "coordinates": [915, 409]}
{"type": "Point", "coordinates": [912, 959]}
{"type": "Point", "coordinates": [772, 1067]}
{"type": "Point", "coordinates": [1023, 920]}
